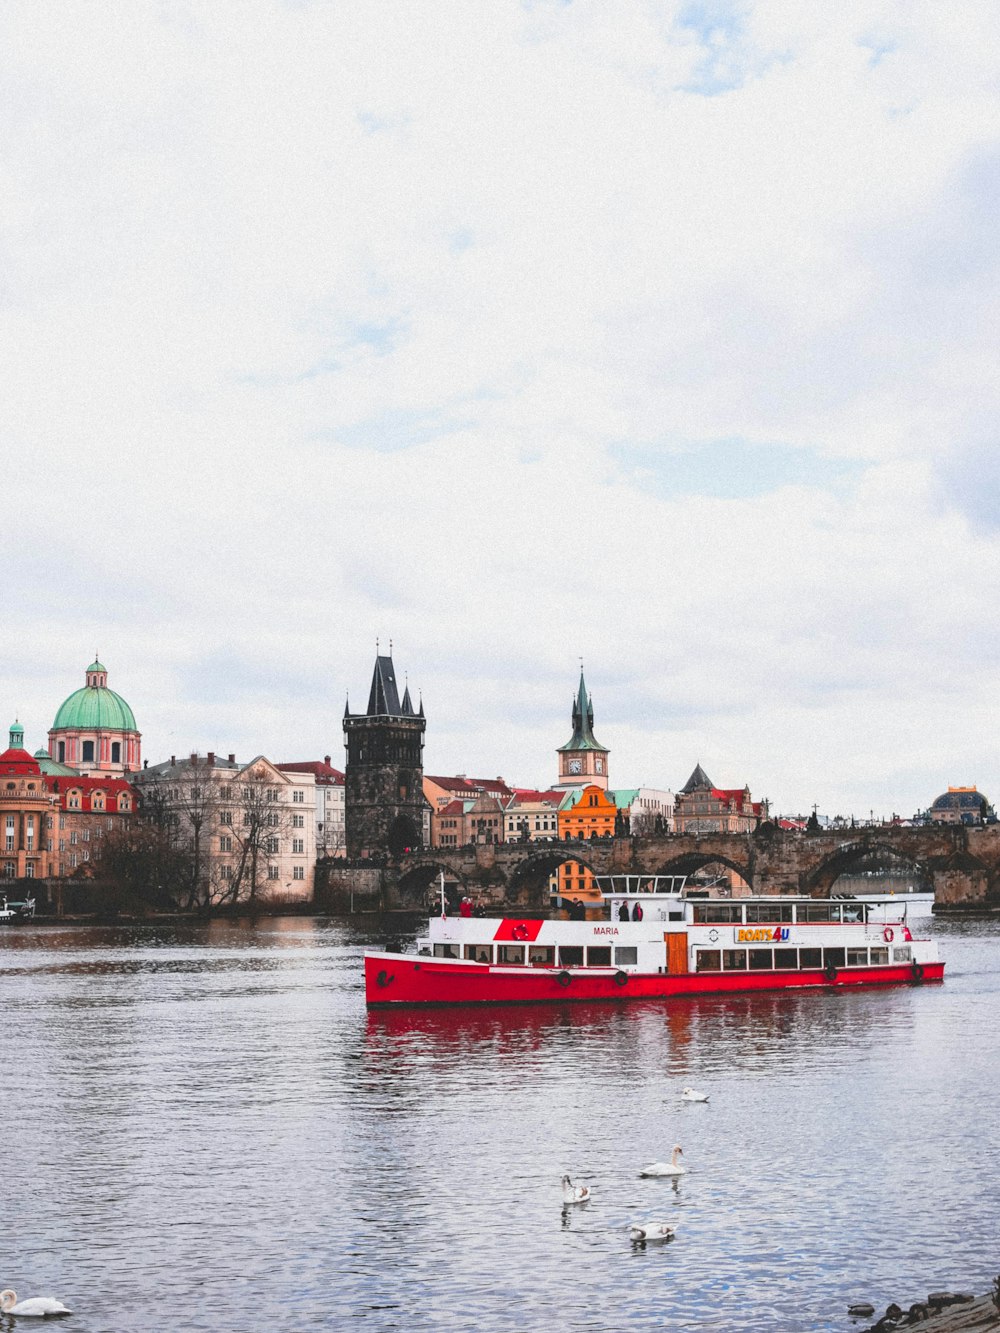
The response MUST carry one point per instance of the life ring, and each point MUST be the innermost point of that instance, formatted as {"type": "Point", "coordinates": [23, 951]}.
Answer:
{"type": "Point", "coordinates": [564, 978]}
{"type": "Point", "coordinates": [888, 935]}
{"type": "Point", "coordinates": [520, 931]}
{"type": "Point", "coordinates": [917, 972]}
{"type": "Point", "coordinates": [830, 972]}
{"type": "Point", "coordinates": [621, 978]}
{"type": "Point", "coordinates": [384, 979]}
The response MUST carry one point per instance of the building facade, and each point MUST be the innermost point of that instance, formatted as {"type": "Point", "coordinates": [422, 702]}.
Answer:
{"type": "Point", "coordinates": [701, 807]}
{"type": "Point", "coordinates": [330, 835]}
{"type": "Point", "coordinates": [249, 828]}
{"type": "Point", "coordinates": [383, 781]}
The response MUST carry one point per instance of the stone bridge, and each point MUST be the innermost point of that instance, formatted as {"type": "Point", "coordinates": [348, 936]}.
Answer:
{"type": "Point", "coordinates": [962, 864]}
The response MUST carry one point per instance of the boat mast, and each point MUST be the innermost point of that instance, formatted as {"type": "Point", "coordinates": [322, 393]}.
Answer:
{"type": "Point", "coordinates": [444, 906]}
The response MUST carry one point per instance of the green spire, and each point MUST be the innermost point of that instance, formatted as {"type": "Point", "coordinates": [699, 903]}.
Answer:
{"type": "Point", "coordinates": [583, 737]}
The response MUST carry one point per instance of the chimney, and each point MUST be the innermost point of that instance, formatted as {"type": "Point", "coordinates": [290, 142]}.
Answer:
{"type": "Point", "coordinates": [210, 759]}
{"type": "Point", "coordinates": [194, 759]}
{"type": "Point", "coordinates": [232, 759]}
{"type": "Point", "coordinates": [173, 760]}
{"type": "Point", "coordinates": [326, 760]}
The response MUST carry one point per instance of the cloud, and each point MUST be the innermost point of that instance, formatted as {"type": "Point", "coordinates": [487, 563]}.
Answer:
{"type": "Point", "coordinates": [662, 335]}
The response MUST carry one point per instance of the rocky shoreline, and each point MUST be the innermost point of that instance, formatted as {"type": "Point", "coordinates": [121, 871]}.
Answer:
{"type": "Point", "coordinates": [941, 1312]}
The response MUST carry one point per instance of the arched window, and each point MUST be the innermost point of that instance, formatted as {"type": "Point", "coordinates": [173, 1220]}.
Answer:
{"type": "Point", "coordinates": [116, 752]}
{"type": "Point", "coordinates": [88, 752]}
{"type": "Point", "coordinates": [62, 752]}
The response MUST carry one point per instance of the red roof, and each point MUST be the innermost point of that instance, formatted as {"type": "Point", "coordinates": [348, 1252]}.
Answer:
{"type": "Point", "coordinates": [88, 787]}
{"type": "Point", "coordinates": [472, 786]}
{"type": "Point", "coordinates": [326, 775]}
{"type": "Point", "coordinates": [19, 763]}
{"type": "Point", "coordinates": [453, 808]}
{"type": "Point", "coordinates": [525, 797]}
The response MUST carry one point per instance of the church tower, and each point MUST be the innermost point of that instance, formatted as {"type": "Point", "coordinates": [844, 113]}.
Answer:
{"type": "Point", "coordinates": [583, 760]}
{"type": "Point", "coordinates": [384, 773]}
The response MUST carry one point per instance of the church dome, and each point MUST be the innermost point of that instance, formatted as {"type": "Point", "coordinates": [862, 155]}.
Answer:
{"type": "Point", "coordinates": [94, 707]}
{"type": "Point", "coordinates": [962, 799]}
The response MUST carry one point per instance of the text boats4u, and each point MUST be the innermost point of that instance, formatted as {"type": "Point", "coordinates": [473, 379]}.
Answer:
{"type": "Point", "coordinates": [682, 944]}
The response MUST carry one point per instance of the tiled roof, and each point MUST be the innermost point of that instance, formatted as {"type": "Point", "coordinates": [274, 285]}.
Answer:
{"type": "Point", "coordinates": [326, 775]}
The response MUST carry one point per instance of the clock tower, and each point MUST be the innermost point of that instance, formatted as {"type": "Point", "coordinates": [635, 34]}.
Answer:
{"type": "Point", "coordinates": [583, 760]}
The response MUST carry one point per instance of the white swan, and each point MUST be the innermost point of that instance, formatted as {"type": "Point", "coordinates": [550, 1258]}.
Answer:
{"type": "Point", "coordinates": [35, 1305]}
{"type": "Point", "coordinates": [671, 1168]}
{"type": "Point", "coordinates": [574, 1193]}
{"type": "Point", "coordinates": [690, 1095]}
{"type": "Point", "coordinates": [652, 1231]}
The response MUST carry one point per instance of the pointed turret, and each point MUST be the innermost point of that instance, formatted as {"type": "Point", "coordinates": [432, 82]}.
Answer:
{"type": "Point", "coordinates": [383, 699]}
{"type": "Point", "coordinates": [406, 705]}
{"type": "Point", "coordinates": [698, 781]}
{"type": "Point", "coordinates": [583, 737]}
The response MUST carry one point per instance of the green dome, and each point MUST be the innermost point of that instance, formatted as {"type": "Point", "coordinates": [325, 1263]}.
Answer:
{"type": "Point", "coordinates": [95, 708]}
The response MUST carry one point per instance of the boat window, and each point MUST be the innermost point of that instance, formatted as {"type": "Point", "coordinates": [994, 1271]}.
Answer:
{"type": "Point", "coordinates": [761, 960]}
{"type": "Point", "coordinates": [857, 958]}
{"type": "Point", "coordinates": [599, 957]}
{"type": "Point", "coordinates": [718, 913]}
{"type": "Point", "coordinates": [510, 953]}
{"type": "Point", "coordinates": [902, 953]}
{"type": "Point", "coordinates": [626, 957]}
{"type": "Point", "coordinates": [834, 957]}
{"type": "Point", "coordinates": [761, 912]}
{"type": "Point", "coordinates": [675, 916]}
{"type": "Point", "coordinates": [734, 960]}
{"type": "Point", "coordinates": [446, 951]}
{"type": "Point", "coordinates": [709, 960]}
{"type": "Point", "coordinates": [541, 955]}
{"type": "Point", "coordinates": [810, 958]}
{"type": "Point", "coordinates": [819, 911]}
{"type": "Point", "coordinates": [479, 953]}
{"type": "Point", "coordinates": [787, 958]}
{"type": "Point", "coordinates": [853, 912]}
{"type": "Point", "coordinates": [571, 955]}
{"type": "Point", "coordinates": [880, 955]}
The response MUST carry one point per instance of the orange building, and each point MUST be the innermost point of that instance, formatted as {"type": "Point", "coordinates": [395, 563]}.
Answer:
{"type": "Point", "coordinates": [585, 814]}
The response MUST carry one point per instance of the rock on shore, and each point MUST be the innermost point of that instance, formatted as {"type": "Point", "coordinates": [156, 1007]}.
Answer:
{"type": "Point", "coordinates": [942, 1312]}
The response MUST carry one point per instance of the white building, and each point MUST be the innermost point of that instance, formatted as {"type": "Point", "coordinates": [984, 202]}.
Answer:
{"type": "Point", "coordinates": [330, 829]}
{"type": "Point", "coordinates": [649, 809]}
{"type": "Point", "coordinates": [251, 828]}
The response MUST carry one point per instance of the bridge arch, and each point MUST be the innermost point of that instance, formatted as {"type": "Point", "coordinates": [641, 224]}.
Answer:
{"type": "Point", "coordinates": [529, 878]}
{"type": "Point", "coordinates": [868, 856]}
{"type": "Point", "coordinates": [418, 879]}
{"type": "Point", "coordinates": [689, 863]}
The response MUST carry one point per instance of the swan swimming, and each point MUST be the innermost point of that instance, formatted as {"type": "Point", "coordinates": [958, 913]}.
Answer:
{"type": "Point", "coordinates": [574, 1193]}
{"type": "Point", "coordinates": [671, 1168]}
{"type": "Point", "coordinates": [34, 1305]}
{"type": "Point", "coordinates": [690, 1095]}
{"type": "Point", "coordinates": [652, 1231]}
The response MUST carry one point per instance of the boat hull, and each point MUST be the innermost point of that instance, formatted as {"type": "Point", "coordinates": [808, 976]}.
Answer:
{"type": "Point", "coordinates": [408, 979]}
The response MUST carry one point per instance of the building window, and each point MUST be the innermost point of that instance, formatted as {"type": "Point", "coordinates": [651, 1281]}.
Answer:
{"type": "Point", "coordinates": [273, 820]}
{"type": "Point", "coordinates": [272, 872]}
{"type": "Point", "coordinates": [227, 872]}
{"type": "Point", "coordinates": [298, 846]}
{"type": "Point", "coordinates": [29, 870]}
{"type": "Point", "coordinates": [298, 797]}
{"type": "Point", "coordinates": [8, 869]}
{"type": "Point", "coordinates": [225, 844]}
{"type": "Point", "coordinates": [272, 793]}
{"type": "Point", "coordinates": [86, 835]}
{"type": "Point", "coordinates": [298, 872]}
{"type": "Point", "coordinates": [226, 817]}
{"type": "Point", "coordinates": [116, 752]}
{"type": "Point", "coordinates": [225, 793]}
{"type": "Point", "coordinates": [74, 800]}
{"type": "Point", "coordinates": [298, 821]}
{"type": "Point", "coordinates": [271, 846]}
{"type": "Point", "coordinates": [72, 838]}
{"type": "Point", "coordinates": [88, 752]}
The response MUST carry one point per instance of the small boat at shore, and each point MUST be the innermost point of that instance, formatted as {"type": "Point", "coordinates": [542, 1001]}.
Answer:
{"type": "Point", "coordinates": [11, 912]}
{"type": "Point", "coordinates": [656, 945]}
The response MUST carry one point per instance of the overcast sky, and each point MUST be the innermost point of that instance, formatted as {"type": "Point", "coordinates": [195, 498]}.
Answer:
{"type": "Point", "coordinates": [662, 335]}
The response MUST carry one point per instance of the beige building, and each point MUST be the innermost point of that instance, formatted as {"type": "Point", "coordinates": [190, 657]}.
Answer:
{"type": "Point", "coordinates": [251, 827]}
{"type": "Point", "coordinates": [533, 816]}
{"type": "Point", "coordinates": [330, 832]}
{"type": "Point", "coordinates": [702, 807]}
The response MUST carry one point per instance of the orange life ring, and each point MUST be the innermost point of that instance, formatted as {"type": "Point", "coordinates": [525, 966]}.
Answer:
{"type": "Point", "coordinates": [888, 935]}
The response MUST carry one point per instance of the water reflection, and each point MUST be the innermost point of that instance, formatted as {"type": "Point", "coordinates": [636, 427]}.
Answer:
{"type": "Point", "coordinates": [205, 1116]}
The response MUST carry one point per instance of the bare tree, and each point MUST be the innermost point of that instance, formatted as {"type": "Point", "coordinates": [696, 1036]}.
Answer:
{"type": "Point", "coordinates": [260, 821]}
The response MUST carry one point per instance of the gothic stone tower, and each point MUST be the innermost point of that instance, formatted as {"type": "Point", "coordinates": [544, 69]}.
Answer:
{"type": "Point", "coordinates": [384, 776]}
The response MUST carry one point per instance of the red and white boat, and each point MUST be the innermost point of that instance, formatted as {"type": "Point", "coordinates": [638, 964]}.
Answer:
{"type": "Point", "coordinates": [683, 944]}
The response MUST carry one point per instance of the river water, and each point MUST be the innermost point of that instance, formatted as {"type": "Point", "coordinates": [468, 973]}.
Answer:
{"type": "Point", "coordinates": [204, 1129]}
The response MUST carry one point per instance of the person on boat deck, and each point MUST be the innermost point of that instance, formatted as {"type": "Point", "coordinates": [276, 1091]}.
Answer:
{"type": "Point", "coordinates": [576, 909]}
{"type": "Point", "coordinates": [637, 912]}
{"type": "Point", "coordinates": [465, 907]}
{"type": "Point", "coordinates": [623, 911]}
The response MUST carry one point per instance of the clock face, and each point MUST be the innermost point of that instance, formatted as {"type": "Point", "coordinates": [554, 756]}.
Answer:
{"type": "Point", "coordinates": [574, 765]}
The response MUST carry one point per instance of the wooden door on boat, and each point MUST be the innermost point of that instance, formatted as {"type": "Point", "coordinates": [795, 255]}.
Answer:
{"type": "Point", "coordinates": [677, 952]}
